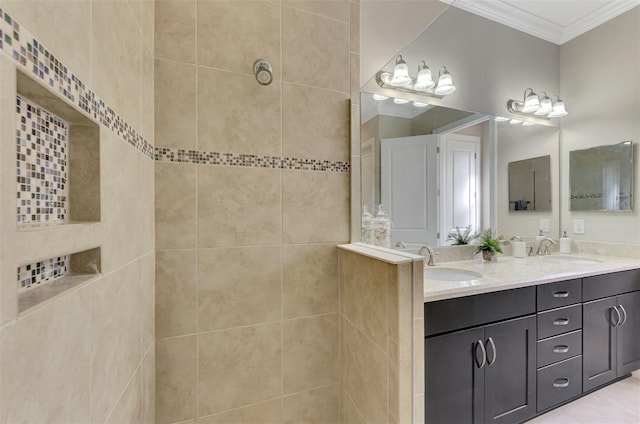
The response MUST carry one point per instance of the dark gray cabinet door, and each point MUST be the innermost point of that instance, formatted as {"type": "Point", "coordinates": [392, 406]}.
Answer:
{"type": "Point", "coordinates": [598, 343]}
{"type": "Point", "coordinates": [454, 379]}
{"type": "Point", "coordinates": [510, 380]}
{"type": "Point", "coordinates": [628, 349]}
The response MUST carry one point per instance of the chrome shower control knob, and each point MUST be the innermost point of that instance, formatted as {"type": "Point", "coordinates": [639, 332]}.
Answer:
{"type": "Point", "coordinates": [263, 72]}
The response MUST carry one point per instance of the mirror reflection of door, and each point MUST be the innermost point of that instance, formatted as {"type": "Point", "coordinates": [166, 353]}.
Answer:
{"type": "Point", "coordinates": [409, 178]}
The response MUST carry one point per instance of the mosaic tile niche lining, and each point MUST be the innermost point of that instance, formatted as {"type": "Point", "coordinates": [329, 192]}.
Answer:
{"type": "Point", "coordinates": [42, 171]}
{"type": "Point", "coordinates": [41, 272]}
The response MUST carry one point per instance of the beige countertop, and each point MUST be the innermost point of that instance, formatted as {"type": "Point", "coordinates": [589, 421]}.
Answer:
{"type": "Point", "coordinates": [509, 272]}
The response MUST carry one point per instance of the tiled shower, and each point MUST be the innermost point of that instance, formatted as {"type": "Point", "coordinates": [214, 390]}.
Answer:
{"type": "Point", "coordinates": [171, 245]}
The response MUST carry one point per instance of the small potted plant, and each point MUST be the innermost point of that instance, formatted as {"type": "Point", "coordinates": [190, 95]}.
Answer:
{"type": "Point", "coordinates": [461, 238]}
{"type": "Point", "coordinates": [488, 245]}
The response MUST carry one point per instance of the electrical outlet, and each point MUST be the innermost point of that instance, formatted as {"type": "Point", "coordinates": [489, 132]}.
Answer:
{"type": "Point", "coordinates": [578, 226]}
{"type": "Point", "coordinates": [544, 225]}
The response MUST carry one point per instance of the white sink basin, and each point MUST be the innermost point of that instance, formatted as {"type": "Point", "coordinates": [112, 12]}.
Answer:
{"type": "Point", "coordinates": [450, 274]}
{"type": "Point", "coordinates": [568, 259]}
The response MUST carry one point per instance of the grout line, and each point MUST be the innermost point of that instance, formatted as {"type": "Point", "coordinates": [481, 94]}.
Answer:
{"type": "Point", "coordinates": [282, 363]}
{"type": "Point", "coordinates": [197, 224]}
{"type": "Point", "coordinates": [376, 345]}
{"type": "Point", "coordinates": [308, 12]}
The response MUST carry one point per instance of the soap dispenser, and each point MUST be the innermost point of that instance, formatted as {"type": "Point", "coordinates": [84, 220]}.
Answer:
{"type": "Point", "coordinates": [367, 226]}
{"type": "Point", "coordinates": [382, 229]}
{"type": "Point", "coordinates": [565, 243]}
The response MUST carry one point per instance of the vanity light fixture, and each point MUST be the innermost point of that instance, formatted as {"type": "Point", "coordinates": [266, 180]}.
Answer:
{"type": "Point", "coordinates": [541, 106]}
{"type": "Point", "coordinates": [423, 84]}
{"type": "Point", "coordinates": [400, 73]}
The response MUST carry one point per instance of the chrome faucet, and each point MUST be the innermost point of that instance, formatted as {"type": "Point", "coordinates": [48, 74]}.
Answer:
{"type": "Point", "coordinates": [429, 253]}
{"type": "Point", "coordinates": [542, 245]}
{"type": "Point", "coordinates": [400, 245]}
{"type": "Point", "coordinates": [515, 238]}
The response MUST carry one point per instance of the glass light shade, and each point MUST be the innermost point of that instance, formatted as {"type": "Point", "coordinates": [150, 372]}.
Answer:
{"type": "Point", "coordinates": [424, 80]}
{"type": "Point", "coordinates": [400, 73]}
{"type": "Point", "coordinates": [545, 106]}
{"type": "Point", "coordinates": [515, 121]}
{"type": "Point", "coordinates": [445, 83]}
{"type": "Point", "coordinates": [420, 104]}
{"type": "Point", "coordinates": [531, 101]}
{"type": "Point", "coordinates": [379, 97]}
{"type": "Point", "coordinates": [558, 110]}
{"type": "Point", "coordinates": [528, 124]}
{"type": "Point", "coordinates": [400, 101]}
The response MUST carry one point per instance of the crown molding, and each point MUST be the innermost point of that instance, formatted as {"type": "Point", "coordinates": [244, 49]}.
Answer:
{"type": "Point", "coordinates": [597, 17]}
{"type": "Point", "coordinates": [514, 17]}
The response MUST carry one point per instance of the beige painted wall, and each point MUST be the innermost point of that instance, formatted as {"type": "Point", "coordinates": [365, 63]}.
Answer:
{"type": "Point", "coordinates": [600, 80]}
{"type": "Point", "coordinates": [247, 296]}
{"type": "Point", "coordinates": [88, 355]}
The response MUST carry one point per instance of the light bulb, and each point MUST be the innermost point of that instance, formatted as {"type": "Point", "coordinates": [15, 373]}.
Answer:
{"type": "Point", "coordinates": [400, 73]}
{"type": "Point", "coordinates": [424, 80]}
{"type": "Point", "coordinates": [545, 106]}
{"type": "Point", "coordinates": [420, 104]}
{"type": "Point", "coordinates": [400, 101]}
{"type": "Point", "coordinates": [379, 97]}
{"type": "Point", "coordinates": [445, 83]}
{"type": "Point", "coordinates": [531, 102]}
{"type": "Point", "coordinates": [558, 110]}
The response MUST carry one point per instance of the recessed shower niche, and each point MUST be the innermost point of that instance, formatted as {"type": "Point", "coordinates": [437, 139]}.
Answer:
{"type": "Point", "coordinates": [58, 160]}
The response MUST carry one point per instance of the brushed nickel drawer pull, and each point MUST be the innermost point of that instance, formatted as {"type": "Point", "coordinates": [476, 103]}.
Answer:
{"type": "Point", "coordinates": [495, 354]}
{"type": "Point", "coordinates": [624, 312]}
{"type": "Point", "coordinates": [561, 321]}
{"type": "Point", "coordinates": [561, 349]}
{"type": "Point", "coordinates": [561, 294]}
{"type": "Point", "coordinates": [484, 354]}
{"type": "Point", "coordinates": [619, 317]}
{"type": "Point", "coordinates": [561, 382]}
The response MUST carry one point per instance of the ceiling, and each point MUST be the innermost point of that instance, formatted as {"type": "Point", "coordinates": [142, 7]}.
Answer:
{"type": "Point", "coordinates": [557, 21]}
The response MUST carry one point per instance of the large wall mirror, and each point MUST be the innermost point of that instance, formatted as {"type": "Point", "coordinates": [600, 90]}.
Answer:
{"type": "Point", "coordinates": [437, 164]}
{"type": "Point", "coordinates": [601, 178]}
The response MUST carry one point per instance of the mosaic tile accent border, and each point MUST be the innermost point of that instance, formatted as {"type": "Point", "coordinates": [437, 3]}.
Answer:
{"type": "Point", "coordinates": [35, 59]}
{"type": "Point", "coordinates": [163, 154]}
{"type": "Point", "coordinates": [41, 272]}
{"type": "Point", "coordinates": [41, 165]}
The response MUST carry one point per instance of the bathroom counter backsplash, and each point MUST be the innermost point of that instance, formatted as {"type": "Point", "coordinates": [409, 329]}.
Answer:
{"type": "Point", "coordinates": [510, 272]}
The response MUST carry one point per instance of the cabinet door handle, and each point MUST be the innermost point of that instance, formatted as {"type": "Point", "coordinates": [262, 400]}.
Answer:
{"type": "Point", "coordinates": [561, 321]}
{"type": "Point", "coordinates": [495, 354]}
{"type": "Point", "coordinates": [561, 294]}
{"type": "Point", "coordinates": [484, 354]}
{"type": "Point", "coordinates": [618, 319]}
{"type": "Point", "coordinates": [624, 312]}
{"type": "Point", "coordinates": [561, 382]}
{"type": "Point", "coordinates": [561, 349]}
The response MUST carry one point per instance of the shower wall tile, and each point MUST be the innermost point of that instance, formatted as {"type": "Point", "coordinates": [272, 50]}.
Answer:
{"type": "Point", "coordinates": [322, 115]}
{"type": "Point", "coordinates": [325, 65]}
{"type": "Point", "coordinates": [149, 386]}
{"type": "Point", "coordinates": [247, 114]}
{"type": "Point", "coordinates": [124, 239]}
{"type": "Point", "coordinates": [61, 329]}
{"type": "Point", "coordinates": [266, 412]}
{"type": "Point", "coordinates": [355, 29]}
{"type": "Point", "coordinates": [176, 379]}
{"type": "Point", "coordinates": [147, 96]}
{"type": "Point", "coordinates": [310, 280]}
{"type": "Point", "coordinates": [238, 207]}
{"type": "Point", "coordinates": [115, 58]}
{"type": "Point", "coordinates": [176, 293]}
{"type": "Point", "coordinates": [175, 206]}
{"type": "Point", "coordinates": [232, 35]}
{"type": "Point", "coordinates": [175, 104]}
{"type": "Point", "coordinates": [147, 205]}
{"type": "Point", "coordinates": [310, 352]}
{"type": "Point", "coordinates": [147, 301]}
{"type": "Point", "coordinates": [336, 9]}
{"type": "Point", "coordinates": [239, 286]}
{"type": "Point", "coordinates": [239, 367]}
{"type": "Point", "coordinates": [315, 207]}
{"type": "Point", "coordinates": [115, 336]}
{"type": "Point", "coordinates": [315, 406]}
{"type": "Point", "coordinates": [129, 406]}
{"type": "Point", "coordinates": [71, 42]}
{"type": "Point", "coordinates": [175, 34]}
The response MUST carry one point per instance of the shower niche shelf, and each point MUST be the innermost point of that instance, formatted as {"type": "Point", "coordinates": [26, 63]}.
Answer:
{"type": "Point", "coordinates": [58, 160]}
{"type": "Point", "coordinates": [42, 280]}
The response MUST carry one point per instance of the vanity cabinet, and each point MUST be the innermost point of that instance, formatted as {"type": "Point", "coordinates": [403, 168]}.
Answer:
{"type": "Point", "coordinates": [485, 373]}
{"type": "Point", "coordinates": [611, 321]}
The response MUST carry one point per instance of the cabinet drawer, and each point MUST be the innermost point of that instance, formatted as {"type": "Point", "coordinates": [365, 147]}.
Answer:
{"type": "Point", "coordinates": [556, 295]}
{"type": "Point", "coordinates": [559, 382]}
{"type": "Point", "coordinates": [600, 286]}
{"type": "Point", "coordinates": [558, 321]}
{"type": "Point", "coordinates": [465, 312]}
{"type": "Point", "coordinates": [559, 348]}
